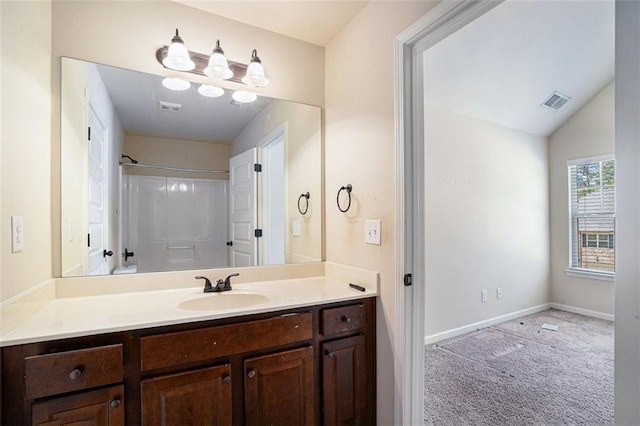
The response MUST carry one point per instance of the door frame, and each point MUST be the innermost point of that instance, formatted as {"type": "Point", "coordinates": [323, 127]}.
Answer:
{"type": "Point", "coordinates": [263, 204]}
{"type": "Point", "coordinates": [441, 21]}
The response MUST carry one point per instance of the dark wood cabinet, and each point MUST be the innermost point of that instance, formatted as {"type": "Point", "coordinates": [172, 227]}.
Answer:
{"type": "Point", "coordinates": [200, 397]}
{"type": "Point", "coordinates": [344, 379]}
{"type": "Point", "coordinates": [301, 366]}
{"type": "Point", "coordinates": [99, 407]}
{"type": "Point", "coordinates": [279, 388]}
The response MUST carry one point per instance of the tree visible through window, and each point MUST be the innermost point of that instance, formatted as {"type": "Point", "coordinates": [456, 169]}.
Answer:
{"type": "Point", "coordinates": [592, 188]}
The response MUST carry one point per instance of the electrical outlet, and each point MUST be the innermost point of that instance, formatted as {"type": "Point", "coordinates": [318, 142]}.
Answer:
{"type": "Point", "coordinates": [483, 296]}
{"type": "Point", "coordinates": [295, 228]}
{"type": "Point", "coordinates": [17, 234]}
{"type": "Point", "coordinates": [499, 293]}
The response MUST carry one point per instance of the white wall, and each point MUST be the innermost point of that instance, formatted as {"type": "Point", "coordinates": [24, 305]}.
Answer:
{"type": "Point", "coordinates": [360, 150]}
{"type": "Point", "coordinates": [590, 132]}
{"type": "Point", "coordinates": [486, 220]}
{"type": "Point", "coordinates": [25, 143]}
{"type": "Point", "coordinates": [627, 287]}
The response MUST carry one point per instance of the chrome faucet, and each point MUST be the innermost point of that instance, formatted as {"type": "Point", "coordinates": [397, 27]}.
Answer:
{"type": "Point", "coordinates": [221, 285]}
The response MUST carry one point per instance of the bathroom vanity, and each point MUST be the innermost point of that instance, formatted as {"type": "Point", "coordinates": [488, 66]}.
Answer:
{"type": "Point", "coordinates": [310, 364]}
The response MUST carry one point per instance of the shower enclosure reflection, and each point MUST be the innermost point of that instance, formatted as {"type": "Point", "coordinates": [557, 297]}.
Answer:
{"type": "Point", "coordinates": [202, 204]}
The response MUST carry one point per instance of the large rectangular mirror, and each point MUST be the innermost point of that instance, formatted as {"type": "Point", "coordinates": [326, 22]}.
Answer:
{"type": "Point", "coordinates": [159, 180]}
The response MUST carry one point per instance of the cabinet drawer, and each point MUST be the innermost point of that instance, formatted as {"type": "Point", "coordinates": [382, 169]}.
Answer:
{"type": "Point", "coordinates": [166, 350]}
{"type": "Point", "coordinates": [70, 371]}
{"type": "Point", "coordinates": [343, 319]}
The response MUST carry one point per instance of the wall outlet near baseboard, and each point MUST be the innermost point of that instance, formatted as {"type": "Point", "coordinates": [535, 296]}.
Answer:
{"type": "Point", "coordinates": [483, 296]}
{"type": "Point", "coordinates": [499, 293]}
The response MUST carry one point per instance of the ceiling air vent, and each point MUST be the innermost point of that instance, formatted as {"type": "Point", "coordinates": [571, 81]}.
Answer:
{"type": "Point", "coordinates": [556, 101]}
{"type": "Point", "coordinates": [169, 107]}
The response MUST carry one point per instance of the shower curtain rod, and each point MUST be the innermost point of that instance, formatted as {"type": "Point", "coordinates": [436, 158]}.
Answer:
{"type": "Point", "coordinates": [175, 169]}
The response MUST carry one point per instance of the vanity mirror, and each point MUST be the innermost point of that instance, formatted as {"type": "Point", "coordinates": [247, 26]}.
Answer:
{"type": "Point", "coordinates": [216, 182]}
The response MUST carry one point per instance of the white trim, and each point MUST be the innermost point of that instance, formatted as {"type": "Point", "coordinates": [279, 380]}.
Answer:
{"type": "Point", "coordinates": [582, 311]}
{"type": "Point", "coordinates": [485, 323]}
{"type": "Point", "coordinates": [591, 274]}
{"type": "Point", "coordinates": [441, 21]}
{"type": "Point", "coordinates": [586, 160]}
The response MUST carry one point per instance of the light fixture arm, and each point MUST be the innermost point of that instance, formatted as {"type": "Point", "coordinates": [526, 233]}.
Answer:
{"type": "Point", "coordinates": [254, 57]}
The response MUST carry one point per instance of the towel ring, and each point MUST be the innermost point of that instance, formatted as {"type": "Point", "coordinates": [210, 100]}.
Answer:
{"type": "Point", "coordinates": [306, 197]}
{"type": "Point", "coordinates": [347, 188]}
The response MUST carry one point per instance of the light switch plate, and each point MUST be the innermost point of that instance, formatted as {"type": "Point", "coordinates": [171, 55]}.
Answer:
{"type": "Point", "coordinates": [17, 234]}
{"type": "Point", "coordinates": [372, 231]}
{"type": "Point", "coordinates": [295, 228]}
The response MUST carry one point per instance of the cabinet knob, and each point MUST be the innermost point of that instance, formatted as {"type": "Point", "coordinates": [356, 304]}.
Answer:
{"type": "Point", "coordinates": [115, 403]}
{"type": "Point", "coordinates": [251, 373]}
{"type": "Point", "coordinates": [328, 354]}
{"type": "Point", "coordinates": [346, 319]}
{"type": "Point", "coordinates": [226, 379]}
{"type": "Point", "coordinates": [76, 373]}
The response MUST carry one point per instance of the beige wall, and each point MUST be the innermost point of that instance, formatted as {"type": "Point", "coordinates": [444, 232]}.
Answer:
{"type": "Point", "coordinates": [487, 206]}
{"type": "Point", "coordinates": [127, 34]}
{"type": "Point", "coordinates": [83, 88]}
{"type": "Point", "coordinates": [303, 157]}
{"type": "Point", "coordinates": [177, 153]}
{"type": "Point", "coordinates": [360, 150]}
{"type": "Point", "coordinates": [25, 143]}
{"type": "Point", "coordinates": [590, 132]}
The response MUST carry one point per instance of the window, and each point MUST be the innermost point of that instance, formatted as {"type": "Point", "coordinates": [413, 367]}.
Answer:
{"type": "Point", "coordinates": [592, 214]}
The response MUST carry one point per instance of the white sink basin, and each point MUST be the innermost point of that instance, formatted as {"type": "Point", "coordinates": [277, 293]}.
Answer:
{"type": "Point", "coordinates": [223, 301]}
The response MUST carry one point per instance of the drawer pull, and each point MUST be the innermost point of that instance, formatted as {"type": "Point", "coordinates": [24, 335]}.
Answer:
{"type": "Point", "coordinates": [115, 403]}
{"type": "Point", "coordinates": [226, 379]}
{"type": "Point", "coordinates": [76, 373]}
{"type": "Point", "coordinates": [346, 319]}
{"type": "Point", "coordinates": [328, 354]}
{"type": "Point", "coordinates": [251, 373]}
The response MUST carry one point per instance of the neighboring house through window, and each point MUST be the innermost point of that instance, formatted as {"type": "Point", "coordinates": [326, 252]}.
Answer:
{"type": "Point", "coordinates": [592, 214]}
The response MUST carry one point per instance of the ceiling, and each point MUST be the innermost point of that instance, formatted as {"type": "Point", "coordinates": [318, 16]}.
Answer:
{"type": "Point", "coordinates": [313, 21]}
{"type": "Point", "coordinates": [505, 64]}
{"type": "Point", "coordinates": [136, 96]}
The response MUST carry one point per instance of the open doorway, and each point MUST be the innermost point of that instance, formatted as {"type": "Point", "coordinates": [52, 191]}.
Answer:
{"type": "Point", "coordinates": [475, 199]}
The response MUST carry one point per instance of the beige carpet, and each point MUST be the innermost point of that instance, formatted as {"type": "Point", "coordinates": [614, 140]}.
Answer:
{"type": "Point", "coordinates": [517, 373]}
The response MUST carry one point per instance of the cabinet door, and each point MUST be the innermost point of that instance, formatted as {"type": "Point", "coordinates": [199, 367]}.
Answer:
{"type": "Point", "coordinates": [279, 388]}
{"type": "Point", "coordinates": [100, 407]}
{"type": "Point", "coordinates": [343, 382]}
{"type": "Point", "coordinates": [200, 397]}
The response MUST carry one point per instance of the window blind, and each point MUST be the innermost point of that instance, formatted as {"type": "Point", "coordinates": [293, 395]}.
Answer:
{"type": "Point", "coordinates": [592, 214]}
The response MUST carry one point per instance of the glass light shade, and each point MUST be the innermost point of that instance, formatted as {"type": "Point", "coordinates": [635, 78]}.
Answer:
{"type": "Point", "coordinates": [244, 97]}
{"type": "Point", "coordinates": [218, 67]}
{"type": "Point", "coordinates": [178, 56]}
{"type": "Point", "coordinates": [177, 84]}
{"type": "Point", "coordinates": [210, 91]}
{"type": "Point", "coordinates": [255, 75]}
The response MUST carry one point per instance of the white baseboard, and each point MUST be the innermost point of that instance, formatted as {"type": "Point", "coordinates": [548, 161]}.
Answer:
{"type": "Point", "coordinates": [582, 311]}
{"type": "Point", "coordinates": [483, 324]}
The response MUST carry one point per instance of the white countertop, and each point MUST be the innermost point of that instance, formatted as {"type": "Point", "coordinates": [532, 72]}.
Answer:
{"type": "Point", "coordinates": [88, 315]}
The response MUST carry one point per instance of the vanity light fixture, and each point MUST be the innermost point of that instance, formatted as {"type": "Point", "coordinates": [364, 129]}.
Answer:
{"type": "Point", "coordinates": [177, 84]}
{"type": "Point", "coordinates": [255, 72]}
{"type": "Point", "coordinates": [210, 91]}
{"type": "Point", "coordinates": [244, 97]}
{"type": "Point", "coordinates": [218, 67]}
{"type": "Point", "coordinates": [178, 56]}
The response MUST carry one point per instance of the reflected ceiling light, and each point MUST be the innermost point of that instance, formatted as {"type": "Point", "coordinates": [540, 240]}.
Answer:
{"type": "Point", "coordinates": [210, 91]}
{"type": "Point", "coordinates": [244, 97]}
{"type": "Point", "coordinates": [255, 72]}
{"type": "Point", "coordinates": [218, 66]}
{"type": "Point", "coordinates": [177, 84]}
{"type": "Point", "coordinates": [178, 56]}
